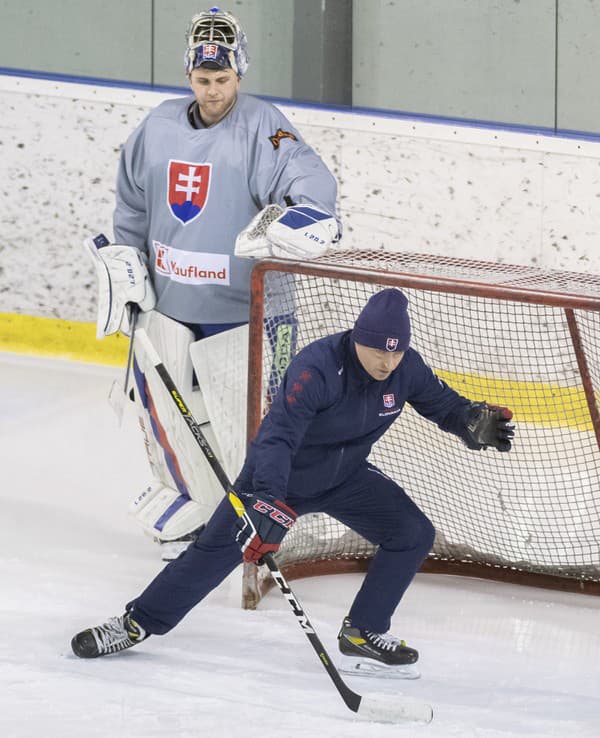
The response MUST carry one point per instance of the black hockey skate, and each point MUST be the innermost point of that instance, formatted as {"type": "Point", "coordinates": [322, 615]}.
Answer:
{"type": "Point", "coordinates": [375, 654]}
{"type": "Point", "coordinates": [115, 635]}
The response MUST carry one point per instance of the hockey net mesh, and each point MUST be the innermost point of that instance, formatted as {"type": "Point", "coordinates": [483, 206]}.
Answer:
{"type": "Point", "coordinates": [494, 332]}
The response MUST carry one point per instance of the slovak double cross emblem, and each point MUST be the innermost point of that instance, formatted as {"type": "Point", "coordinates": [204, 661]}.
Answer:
{"type": "Point", "coordinates": [187, 189]}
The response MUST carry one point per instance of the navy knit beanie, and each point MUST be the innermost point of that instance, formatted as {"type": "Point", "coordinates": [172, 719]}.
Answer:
{"type": "Point", "coordinates": [383, 323]}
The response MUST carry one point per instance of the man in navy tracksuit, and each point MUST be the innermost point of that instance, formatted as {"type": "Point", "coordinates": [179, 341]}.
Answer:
{"type": "Point", "coordinates": [338, 397]}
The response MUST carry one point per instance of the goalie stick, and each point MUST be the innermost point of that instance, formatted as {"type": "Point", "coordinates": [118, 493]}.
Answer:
{"type": "Point", "coordinates": [383, 708]}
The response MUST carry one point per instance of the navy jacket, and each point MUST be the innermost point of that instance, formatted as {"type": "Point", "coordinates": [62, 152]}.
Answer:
{"type": "Point", "coordinates": [329, 412]}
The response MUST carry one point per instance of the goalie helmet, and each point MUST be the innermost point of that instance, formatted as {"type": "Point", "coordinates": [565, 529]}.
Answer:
{"type": "Point", "coordinates": [216, 37]}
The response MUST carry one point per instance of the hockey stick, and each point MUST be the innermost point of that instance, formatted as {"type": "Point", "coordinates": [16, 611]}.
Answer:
{"type": "Point", "coordinates": [384, 708]}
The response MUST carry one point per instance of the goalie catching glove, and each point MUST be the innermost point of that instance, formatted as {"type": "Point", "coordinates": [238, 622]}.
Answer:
{"type": "Point", "coordinates": [488, 425]}
{"type": "Point", "coordinates": [302, 232]}
{"type": "Point", "coordinates": [298, 232]}
{"type": "Point", "coordinates": [262, 526]}
{"type": "Point", "coordinates": [122, 279]}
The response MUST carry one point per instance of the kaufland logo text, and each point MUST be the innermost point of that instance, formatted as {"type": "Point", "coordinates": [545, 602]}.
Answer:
{"type": "Point", "coordinates": [190, 267]}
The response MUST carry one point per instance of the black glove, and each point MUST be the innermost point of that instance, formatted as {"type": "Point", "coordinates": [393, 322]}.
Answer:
{"type": "Point", "coordinates": [488, 425]}
{"type": "Point", "coordinates": [262, 527]}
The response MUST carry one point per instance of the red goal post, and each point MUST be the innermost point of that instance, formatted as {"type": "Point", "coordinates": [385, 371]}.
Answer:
{"type": "Point", "coordinates": [513, 335]}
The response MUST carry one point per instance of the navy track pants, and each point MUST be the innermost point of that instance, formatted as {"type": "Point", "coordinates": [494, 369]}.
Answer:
{"type": "Point", "coordinates": [370, 503]}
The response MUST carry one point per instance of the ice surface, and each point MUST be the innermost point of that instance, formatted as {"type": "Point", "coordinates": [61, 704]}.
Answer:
{"type": "Point", "coordinates": [498, 661]}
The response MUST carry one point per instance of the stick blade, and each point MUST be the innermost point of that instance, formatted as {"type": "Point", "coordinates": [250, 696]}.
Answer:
{"type": "Point", "coordinates": [395, 709]}
{"type": "Point", "coordinates": [116, 399]}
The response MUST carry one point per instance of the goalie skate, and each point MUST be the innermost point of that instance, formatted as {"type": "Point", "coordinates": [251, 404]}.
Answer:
{"type": "Point", "coordinates": [170, 550]}
{"type": "Point", "coordinates": [365, 653]}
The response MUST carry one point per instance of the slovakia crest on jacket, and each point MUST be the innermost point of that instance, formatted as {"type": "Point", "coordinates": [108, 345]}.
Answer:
{"type": "Point", "coordinates": [389, 400]}
{"type": "Point", "coordinates": [187, 192]}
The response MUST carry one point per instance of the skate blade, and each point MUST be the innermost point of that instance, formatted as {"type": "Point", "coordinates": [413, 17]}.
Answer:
{"type": "Point", "coordinates": [371, 668]}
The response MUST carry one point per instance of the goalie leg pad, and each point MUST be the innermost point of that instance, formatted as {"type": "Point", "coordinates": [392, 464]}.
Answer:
{"type": "Point", "coordinates": [172, 341]}
{"type": "Point", "coordinates": [181, 469]}
{"type": "Point", "coordinates": [166, 514]}
{"type": "Point", "coordinates": [221, 365]}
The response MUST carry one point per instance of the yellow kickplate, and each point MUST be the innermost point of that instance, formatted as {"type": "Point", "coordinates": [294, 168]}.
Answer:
{"type": "Point", "coordinates": [547, 404]}
{"type": "Point", "coordinates": [60, 339]}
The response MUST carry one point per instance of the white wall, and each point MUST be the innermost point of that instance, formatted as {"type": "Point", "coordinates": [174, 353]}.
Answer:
{"type": "Point", "coordinates": [403, 185]}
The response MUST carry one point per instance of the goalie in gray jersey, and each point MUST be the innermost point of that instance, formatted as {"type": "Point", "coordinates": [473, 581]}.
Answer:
{"type": "Point", "coordinates": [204, 183]}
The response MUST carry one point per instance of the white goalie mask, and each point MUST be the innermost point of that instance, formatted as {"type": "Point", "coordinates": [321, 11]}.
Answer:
{"type": "Point", "coordinates": [216, 36]}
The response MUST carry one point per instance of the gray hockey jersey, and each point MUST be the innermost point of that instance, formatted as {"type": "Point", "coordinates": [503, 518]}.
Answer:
{"type": "Point", "coordinates": [183, 195]}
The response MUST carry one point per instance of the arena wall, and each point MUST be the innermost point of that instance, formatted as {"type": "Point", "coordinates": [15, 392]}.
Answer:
{"type": "Point", "coordinates": [405, 184]}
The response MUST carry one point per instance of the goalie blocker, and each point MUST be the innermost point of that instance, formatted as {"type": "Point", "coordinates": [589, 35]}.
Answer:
{"type": "Point", "coordinates": [123, 280]}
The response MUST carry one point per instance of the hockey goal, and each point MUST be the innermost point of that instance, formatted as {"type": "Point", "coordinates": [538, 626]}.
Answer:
{"type": "Point", "coordinates": [512, 335]}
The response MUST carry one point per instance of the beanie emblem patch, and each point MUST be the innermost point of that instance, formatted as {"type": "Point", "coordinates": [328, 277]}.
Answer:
{"type": "Point", "coordinates": [391, 344]}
